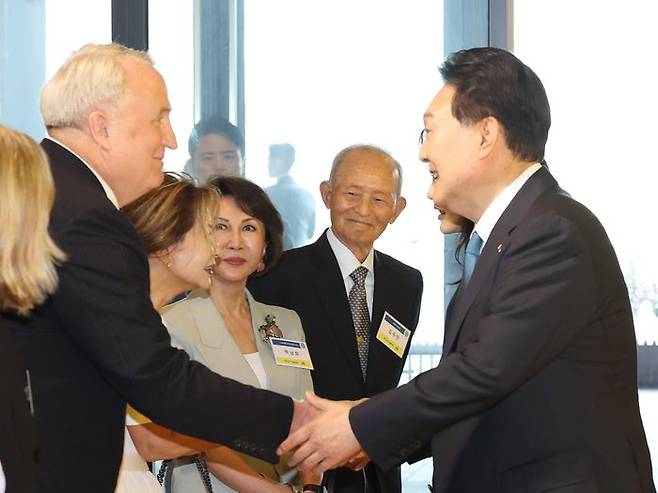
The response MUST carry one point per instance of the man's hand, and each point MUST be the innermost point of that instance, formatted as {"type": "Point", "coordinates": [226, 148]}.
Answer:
{"type": "Point", "coordinates": [303, 412]}
{"type": "Point", "coordinates": [325, 442]}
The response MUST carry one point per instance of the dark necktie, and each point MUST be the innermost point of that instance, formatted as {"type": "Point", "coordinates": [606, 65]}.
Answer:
{"type": "Point", "coordinates": [360, 316]}
{"type": "Point", "coordinates": [471, 257]}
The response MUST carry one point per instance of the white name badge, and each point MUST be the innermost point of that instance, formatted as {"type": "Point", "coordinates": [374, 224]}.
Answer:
{"type": "Point", "coordinates": [291, 353]}
{"type": "Point", "coordinates": [393, 334]}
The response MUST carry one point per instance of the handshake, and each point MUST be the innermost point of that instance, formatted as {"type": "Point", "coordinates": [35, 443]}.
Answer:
{"type": "Point", "coordinates": [321, 437]}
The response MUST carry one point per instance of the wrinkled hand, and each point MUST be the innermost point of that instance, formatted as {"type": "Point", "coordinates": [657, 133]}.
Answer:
{"type": "Point", "coordinates": [303, 413]}
{"type": "Point", "coordinates": [327, 441]}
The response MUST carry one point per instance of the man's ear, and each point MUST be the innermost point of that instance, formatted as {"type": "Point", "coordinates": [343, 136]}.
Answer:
{"type": "Point", "coordinates": [489, 133]}
{"type": "Point", "coordinates": [98, 126]}
{"type": "Point", "coordinates": [400, 204]}
{"type": "Point", "coordinates": [325, 192]}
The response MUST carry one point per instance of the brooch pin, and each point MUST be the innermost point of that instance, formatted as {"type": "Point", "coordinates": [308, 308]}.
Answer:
{"type": "Point", "coordinates": [270, 328]}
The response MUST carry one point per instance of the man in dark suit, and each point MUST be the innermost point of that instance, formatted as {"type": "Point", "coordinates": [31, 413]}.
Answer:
{"type": "Point", "coordinates": [363, 196]}
{"type": "Point", "coordinates": [97, 343]}
{"type": "Point", "coordinates": [537, 387]}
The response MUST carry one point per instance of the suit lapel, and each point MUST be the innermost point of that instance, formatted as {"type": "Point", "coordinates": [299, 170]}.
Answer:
{"type": "Point", "coordinates": [384, 286]}
{"type": "Point", "coordinates": [278, 379]}
{"type": "Point", "coordinates": [449, 317]}
{"type": "Point", "coordinates": [514, 213]}
{"type": "Point", "coordinates": [217, 342]}
{"type": "Point", "coordinates": [331, 292]}
{"type": "Point", "coordinates": [212, 331]}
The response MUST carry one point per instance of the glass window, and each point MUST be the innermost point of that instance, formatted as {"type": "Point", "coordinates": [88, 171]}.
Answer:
{"type": "Point", "coordinates": [600, 79]}
{"type": "Point", "coordinates": [324, 75]}
{"type": "Point", "coordinates": [171, 44]}
{"type": "Point", "coordinates": [35, 39]}
{"type": "Point", "coordinates": [196, 48]}
{"type": "Point", "coordinates": [65, 33]}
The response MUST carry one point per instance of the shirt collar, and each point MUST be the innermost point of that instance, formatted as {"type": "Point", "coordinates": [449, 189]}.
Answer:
{"type": "Point", "coordinates": [347, 262]}
{"type": "Point", "coordinates": [108, 191]}
{"type": "Point", "coordinates": [497, 207]}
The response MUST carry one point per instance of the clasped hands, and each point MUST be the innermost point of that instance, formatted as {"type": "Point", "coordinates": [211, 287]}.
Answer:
{"type": "Point", "coordinates": [321, 437]}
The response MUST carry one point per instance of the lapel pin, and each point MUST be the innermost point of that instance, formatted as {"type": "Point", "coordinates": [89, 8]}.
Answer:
{"type": "Point", "coordinates": [500, 248]}
{"type": "Point", "coordinates": [270, 328]}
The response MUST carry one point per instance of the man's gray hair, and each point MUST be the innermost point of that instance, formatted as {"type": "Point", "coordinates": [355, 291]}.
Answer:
{"type": "Point", "coordinates": [368, 148]}
{"type": "Point", "coordinates": [90, 77]}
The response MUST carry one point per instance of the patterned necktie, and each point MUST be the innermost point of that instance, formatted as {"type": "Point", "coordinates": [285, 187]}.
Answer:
{"type": "Point", "coordinates": [471, 257]}
{"type": "Point", "coordinates": [360, 316]}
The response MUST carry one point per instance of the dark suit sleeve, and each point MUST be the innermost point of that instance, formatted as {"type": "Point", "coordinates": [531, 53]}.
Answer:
{"type": "Point", "coordinates": [103, 302]}
{"type": "Point", "coordinates": [542, 297]}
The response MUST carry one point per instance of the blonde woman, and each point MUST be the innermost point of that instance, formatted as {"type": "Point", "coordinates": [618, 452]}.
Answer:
{"type": "Point", "coordinates": [176, 223]}
{"type": "Point", "coordinates": [27, 277]}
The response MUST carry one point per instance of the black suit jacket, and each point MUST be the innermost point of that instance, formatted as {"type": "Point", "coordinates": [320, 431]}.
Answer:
{"type": "Point", "coordinates": [18, 446]}
{"type": "Point", "coordinates": [308, 280]}
{"type": "Point", "coordinates": [97, 343]}
{"type": "Point", "coordinates": [537, 388]}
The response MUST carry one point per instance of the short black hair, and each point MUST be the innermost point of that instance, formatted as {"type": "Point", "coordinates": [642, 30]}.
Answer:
{"type": "Point", "coordinates": [493, 82]}
{"type": "Point", "coordinates": [253, 200]}
{"type": "Point", "coordinates": [215, 125]}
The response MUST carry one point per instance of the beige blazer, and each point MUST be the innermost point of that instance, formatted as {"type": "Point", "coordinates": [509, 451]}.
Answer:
{"type": "Point", "coordinates": [197, 327]}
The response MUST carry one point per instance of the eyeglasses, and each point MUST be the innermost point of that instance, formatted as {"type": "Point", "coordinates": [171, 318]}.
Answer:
{"type": "Point", "coordinates": [422, 136]}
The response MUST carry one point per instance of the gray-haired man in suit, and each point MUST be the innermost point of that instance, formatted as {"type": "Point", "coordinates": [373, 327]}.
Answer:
{"type": "Point", "coordinates": [351, 361]}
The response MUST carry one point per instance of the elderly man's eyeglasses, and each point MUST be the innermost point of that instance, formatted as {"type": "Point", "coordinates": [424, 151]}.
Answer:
{"type": "Point", "coordinates": [422, 136]}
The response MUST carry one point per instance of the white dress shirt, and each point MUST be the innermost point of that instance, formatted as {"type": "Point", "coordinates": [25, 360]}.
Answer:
{"type": "Point", "coordinates": [347, 263]}
{"type": "Point", "coordinates": [497, 207]}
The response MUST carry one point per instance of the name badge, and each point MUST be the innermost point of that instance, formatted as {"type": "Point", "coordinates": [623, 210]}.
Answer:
{"type": "Point", "coordinates": [291, 353]}
{"type": "Point", "coordinates": [393, 334]}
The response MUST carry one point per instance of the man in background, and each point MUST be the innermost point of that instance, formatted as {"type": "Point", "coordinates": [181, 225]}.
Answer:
{"type": "Point", "coordinates": [216, 148]}
{"type": "Point", "coordinates": [294, 203]}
